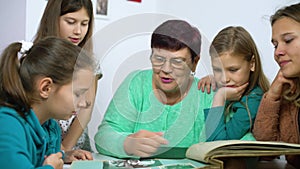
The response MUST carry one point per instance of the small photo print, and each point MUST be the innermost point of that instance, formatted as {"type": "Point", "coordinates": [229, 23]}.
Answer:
{"type": "Point", "coordinates": [131, 163]}
{"type": "Point", "coordinates": [101, 7]}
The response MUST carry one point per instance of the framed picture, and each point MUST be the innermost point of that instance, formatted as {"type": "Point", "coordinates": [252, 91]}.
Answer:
{"type": "Point", "coordinates": [101, 9]}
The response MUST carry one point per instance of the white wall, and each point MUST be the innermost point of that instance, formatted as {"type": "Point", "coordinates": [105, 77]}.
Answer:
{"type": "Point", "coordinates": [122, 39]}
{"type": "Point", "coordinates": [211, 16]}
{"type": "Point", "coordinates": [12, 27]}
{"type": "Point", "coordinates": [34, 12]}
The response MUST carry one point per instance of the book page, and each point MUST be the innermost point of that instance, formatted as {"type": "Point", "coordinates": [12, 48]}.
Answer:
{"type": "Point", "coordinates": [205, 151]}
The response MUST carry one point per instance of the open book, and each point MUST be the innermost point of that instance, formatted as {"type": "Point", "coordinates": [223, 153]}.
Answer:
{"type": "Point", "coordinates": [213, 152]}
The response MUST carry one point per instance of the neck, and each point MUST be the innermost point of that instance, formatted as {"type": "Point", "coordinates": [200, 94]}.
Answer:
{"type": "Point", "coordinates": [40, 113]}
{"type": "Point", "coordinates": [173, 97]}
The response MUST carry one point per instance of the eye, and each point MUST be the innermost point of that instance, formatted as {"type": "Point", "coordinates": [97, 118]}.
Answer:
{"type": "Point", "coordinates": [233, 69]}
{"type": "Point", "coordinates": [275, 45]}
{"type": "Point", "coordinates": [159, 58]}
{"type": "Point", "coordinates": [70, 20]}
{"type": "Point", "coordinates": [177, 61]}
{"type": "Point", "coordinates": [288, 40]}
{"type": "Point", "coordinates": [85, 23]}
{"type": "Point", "coordinates": [217, 70]}
{"type": "Point", "coordinates": [77, 94]}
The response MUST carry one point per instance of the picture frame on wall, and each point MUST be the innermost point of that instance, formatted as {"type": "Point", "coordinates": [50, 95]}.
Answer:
{"type": "Point", "coordinates": [101, 9]}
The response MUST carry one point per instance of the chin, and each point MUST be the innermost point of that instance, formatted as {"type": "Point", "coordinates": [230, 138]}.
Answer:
{"type": "Point", "coordinates": [288, 74]}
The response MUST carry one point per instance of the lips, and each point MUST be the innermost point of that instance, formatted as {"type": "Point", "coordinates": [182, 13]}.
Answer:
{"type": "Point", "coordinates": [229, 86]}
{"type": "Point", "coordinates": [75, 40]}
{"type": "Point", "coordinates": [283, 63]}
{"type": "Point", "coordinates": [224, 85]}
{"type": "Point", "coordinates": [166, 80]}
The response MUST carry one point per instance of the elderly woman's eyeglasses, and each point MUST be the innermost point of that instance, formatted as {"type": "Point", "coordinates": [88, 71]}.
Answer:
{"type": "Point", "coordinates": [176, 63]}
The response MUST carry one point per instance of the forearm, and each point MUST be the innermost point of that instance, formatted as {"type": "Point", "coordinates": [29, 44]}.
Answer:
{"type": "Point", "coordinates": [110, 142]}
{"type": "Point", "coordinates": [214, 123]}
{"type": "Point", "coordinates": [80, 122]}
{"type": "Point", "coordinates": [219, 99]}
{"type": "Point", "coordinates": [72, 136]}
{"type": "Point", "coordinates": [267, 120]}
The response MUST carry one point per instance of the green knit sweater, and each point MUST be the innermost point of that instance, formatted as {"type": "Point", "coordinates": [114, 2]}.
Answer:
{"type": "Point", "coordinates": [134, 107]}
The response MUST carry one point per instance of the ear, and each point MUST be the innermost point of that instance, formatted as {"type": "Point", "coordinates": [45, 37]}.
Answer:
{"type": "Point", "coordinates": [252, 64]}
{"type": "Point", "coordinates": [45, 86]}
{"type": "Point", "coordinates": [196, 60]}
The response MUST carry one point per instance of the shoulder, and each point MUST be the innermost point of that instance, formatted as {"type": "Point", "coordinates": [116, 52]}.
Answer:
{"type": "Point", "coordinates": [7, 115]}
{"type": "Point", "coordinates": [12, 121]}
{"type": "Point", "coordinates": [199, 96]}
{"type": "Point", "coordinates": [52, 125]}
{"type": "Point", "coordinates": [255, 94]}
{"type": "Point", "coordinates": [253, 98]}
{"type": "Point", "coordinates": [138, 77]}
{"type": "Point", "coordinates": [140, 74]}
{"type": "Point", "coordinates": [256, 91]}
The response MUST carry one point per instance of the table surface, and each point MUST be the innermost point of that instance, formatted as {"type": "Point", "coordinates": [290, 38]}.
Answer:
{"type": "Point", "coordinates": [274, 164]}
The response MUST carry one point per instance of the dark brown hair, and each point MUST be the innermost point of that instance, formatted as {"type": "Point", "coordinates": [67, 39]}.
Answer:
{"type": "Point", "coordinates": [175, 35]}
{"type": "Point", "coordinates": [292, 11]}
{"type": "Point", "coordinates": [49, 24]}
{"type": "Point", "coordinates": [44, 59]}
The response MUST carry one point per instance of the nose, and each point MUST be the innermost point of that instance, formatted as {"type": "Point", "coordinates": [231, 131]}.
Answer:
{"type": "Point", "coordinates": [224, 78]}
{"type": "Point", "coordinates": [279, 51]}
{"type": "Point", "coordinates": [77, 29]}
{"type": "Point", "coordinates": [166, 67]}
{"type": "Point", "coordinates": [84, 103]}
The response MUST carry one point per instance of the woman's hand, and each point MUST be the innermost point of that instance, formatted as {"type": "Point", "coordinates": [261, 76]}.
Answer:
{"type": "Point", "coordinates": [55, 160]}
{"type": "Point", "coordinates": [75, 155]}
{"type": "Point", "coordinates": [207, 82]}
{"type": "Point", "coordinates": [144, 143]}
{"type": "Point", "coordinates": [280, 85]}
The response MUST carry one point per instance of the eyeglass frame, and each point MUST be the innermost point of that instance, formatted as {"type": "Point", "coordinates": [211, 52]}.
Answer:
{"type": "Point", "coordinates": [172, 61]}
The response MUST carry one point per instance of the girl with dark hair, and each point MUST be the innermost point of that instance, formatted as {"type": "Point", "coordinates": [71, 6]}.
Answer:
{"type": "Point", "coordinates": [36, 87]}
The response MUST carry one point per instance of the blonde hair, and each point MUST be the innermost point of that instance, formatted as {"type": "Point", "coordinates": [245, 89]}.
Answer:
{"type": "Point", "coordinates": [238, 41]}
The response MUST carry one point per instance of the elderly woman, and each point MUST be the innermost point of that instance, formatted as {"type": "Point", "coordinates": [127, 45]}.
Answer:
{"type": "Point", "coordinates": [158, 107]}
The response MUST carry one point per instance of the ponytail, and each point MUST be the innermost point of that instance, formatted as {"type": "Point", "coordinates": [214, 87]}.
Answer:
{"type": "Point", "coordinates": [51, 57]}
{"type": "Point", "coordinates": [12, 93]}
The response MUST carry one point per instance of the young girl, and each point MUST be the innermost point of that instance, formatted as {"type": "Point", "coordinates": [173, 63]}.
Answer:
{"type": "Point", "coordinates": [71, 20]}
{"type": "Point", "coordinates": [35, 88]}
{"type": "Point", "coordinates": [278, 116]}
{"type": "Point", "coordinates": [240, 85]}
